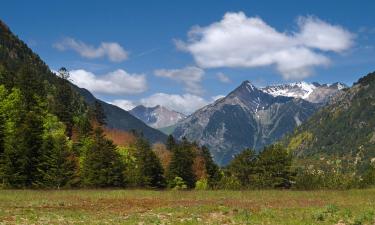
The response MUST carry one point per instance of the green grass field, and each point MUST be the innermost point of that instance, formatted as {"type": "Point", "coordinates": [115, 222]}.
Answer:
{"type": "Point", "coordinates": [187, 207]}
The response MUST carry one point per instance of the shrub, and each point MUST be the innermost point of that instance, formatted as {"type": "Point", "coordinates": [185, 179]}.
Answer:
{"type": "Point", "coordinates": [201, 184]}
{"type": "Point", "coordinates": [229, 183]}
{"type": "Point", "coordinates": [177, 184]}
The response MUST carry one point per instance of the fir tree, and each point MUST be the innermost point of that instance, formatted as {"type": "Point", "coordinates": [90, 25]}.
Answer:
{"type": "Point", "coordinates": [274, 167]}
{"type": "Point", "coordinates": [212, 169]}
{"type": "Point", "coordinates": [243, 167]}
{"type": "Point", "coordinates": [99, 114]}
{"type": "Point", "coordinates": [181, 164]}
{"type": "Point", "coordinates": [171, 143]}
{"type": "Point", "coordinates": [58, 165]}
{"type": "Point", "coordinates": [150, 170]}
{"type": "Point", "coordinates": [102, 166]}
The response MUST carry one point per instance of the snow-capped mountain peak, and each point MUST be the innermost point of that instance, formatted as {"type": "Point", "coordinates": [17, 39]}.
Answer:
{"type": "Point", "coordinates": [313, 92]}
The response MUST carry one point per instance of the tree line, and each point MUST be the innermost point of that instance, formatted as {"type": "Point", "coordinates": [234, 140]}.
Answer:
{"type": "Point", "coordinates": [50, 139]}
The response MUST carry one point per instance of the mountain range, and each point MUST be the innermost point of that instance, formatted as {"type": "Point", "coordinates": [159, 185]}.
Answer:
{"type": "Point", "coordinates": [157, 116]}
{"type": "Point", "coordinates": [251, 117]}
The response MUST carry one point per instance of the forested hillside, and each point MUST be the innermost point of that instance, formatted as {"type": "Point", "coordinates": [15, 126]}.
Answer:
{"type": "Point", "coordinates": [344, 127]}
{"type": "Point", "coordinates": [54, 134]}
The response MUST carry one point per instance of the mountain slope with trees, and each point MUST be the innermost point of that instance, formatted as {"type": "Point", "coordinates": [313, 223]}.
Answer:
{"type": "Point", "coordinates": [345, 127]}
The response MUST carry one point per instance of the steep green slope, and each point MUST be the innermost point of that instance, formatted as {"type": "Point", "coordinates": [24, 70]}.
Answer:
{"type": "Point", "coordinates": [345, 127]}
{"type": "Point", "coordinates": [118, 118]}
{"type": "Point", "coordinates": [68, 103]}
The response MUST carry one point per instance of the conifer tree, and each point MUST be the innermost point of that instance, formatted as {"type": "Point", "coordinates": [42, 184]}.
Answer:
{"type": "Point", "coordinates": [58, 165]}
{"type": "Point", "coordinates": [150, 170]}
{"type": "Point", "coordinates": [181, 164]}
{"type": "Point", "coordinates": [274, 167]}
{"type": "Point", "coordinates": [102, 166]}
{"type": "Point", "coordinates": [212, 169]}
{"type": "Point", "coordinates": [243, 167]}
{"type": "Point", "coordinates": [171, 143]}
{"type": "Point", "coordinates": [99, 114]}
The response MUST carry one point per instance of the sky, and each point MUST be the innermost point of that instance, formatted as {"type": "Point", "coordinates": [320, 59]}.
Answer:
{"type": "Point", "coordinates": [186, 54]}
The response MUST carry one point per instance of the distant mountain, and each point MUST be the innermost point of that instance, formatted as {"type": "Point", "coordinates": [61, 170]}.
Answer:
{"type": "Point", "coordinates": [247, 117]}
{"type": "Point", "coordinates": [118, 118]}
{"type": "Point", "coordinates": [158, 116]}
{"type": "Point", "coordinates": [312, 92]}
{"type": "Point", "coordinates": [344, 127]}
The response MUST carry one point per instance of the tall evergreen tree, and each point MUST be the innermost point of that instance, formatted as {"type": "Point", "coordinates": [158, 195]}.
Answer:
{"type": "Point", "coordinates": [243, 167]}
{"type": "Point", "coordinates": [23, 143]}
{"type": "Point", "coordinates": [150, 170]}
{"type": "Point", "coordinates": [102, 166]}
{"type": "Point", "coordinates": [65, 101]}
{"type": "Point", "coordinates": [274, 167]}
{"type": "Point", "coordinates": [57, 165]}
{"type": "Point", "coordinates": [99, 114]}
{"type": "Point", "coordinates": [181, 164]}
{"type": "Point", "coordinates": [212, 169]}
{"type": "Point", "coordinates": [171, 143]}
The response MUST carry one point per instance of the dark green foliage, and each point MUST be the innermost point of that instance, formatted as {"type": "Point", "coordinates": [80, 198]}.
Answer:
{"type": "Point", "coordinates": [23, 145]}
{"type": "Point", "coordinates": [58, 165]}
{"type": "Point", "coordinates": [369, 176]}
{"type": "Point", "coordinates": [244, 167]}
{"type": "Point", "coordinates": [171, 143]}
{"type": "Point", "coordinates": [99, 115]}
{"type": "Point", "coordinates": [181, 164]}
{"type": "Point", "coordinates": [342, 128]}
{"type": "Point", "coordinates": [150, 170]}
{"type": "Point", "coordinates": [271, 168]}
{"type": "Point", "coordinates": [274, 167]}
{"type": "Point", "coordinates": [212, 169]}
{"type": "Point", "coordinates": [102, 166]}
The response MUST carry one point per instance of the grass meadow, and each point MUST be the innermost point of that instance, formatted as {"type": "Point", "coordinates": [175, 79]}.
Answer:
{"type": "Point", "coordinates": [187, 207]}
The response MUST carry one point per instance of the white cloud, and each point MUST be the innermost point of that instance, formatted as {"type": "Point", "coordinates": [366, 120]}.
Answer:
{"type": "Point", "coordinates": [124, 104]}
{"type": "Point", "coordinates": [117, 82]}
{"type": "Point", "coordinates": [223, 78]}
{"type": "Point", "coordinates": [190, 76]}
{"type": "Point", "coordinates": [112, 50]}
{"type": "Point", "coordinates": [217, 97]}
{"type": "Point", "coordinates": [186, 103]}
{"type": "Point", "coordinates": [241, 41]}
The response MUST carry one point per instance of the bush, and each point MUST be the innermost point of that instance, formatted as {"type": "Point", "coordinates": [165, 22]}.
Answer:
{"type": "Point", "coordinates": [229, 183]}
{"type": "Point", "coordinates": [177, 184]}
{"type": "Point", "coordinates": [201, 184]}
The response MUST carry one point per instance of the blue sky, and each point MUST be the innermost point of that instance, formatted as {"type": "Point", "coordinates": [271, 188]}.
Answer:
{"type": "Point", "coordinates": [131, 52]}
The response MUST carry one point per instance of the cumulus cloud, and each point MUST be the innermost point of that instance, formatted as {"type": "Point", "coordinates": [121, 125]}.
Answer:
{"type": "Point", "coordinates": [190, 76]}
{"type": "Point", "coordinates": [241, 41]}
{"type": "Point", "coordinates": [117, 82]}
{"type": "Point", "coordinates": [186, 103]}
{"type": "Point", "coordinates": [114, 51]}
{"type": "Point", "coordinates": [124, 104]}
{"type": "Point", "coordinates": [223, 78]}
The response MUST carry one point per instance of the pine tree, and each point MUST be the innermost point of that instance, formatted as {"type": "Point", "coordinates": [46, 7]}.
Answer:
{"type": "Point", "coordinates": [181, 164]}
{"type": "Point", "coordinates": [212, 169]}
{"type": "Point", "coordinates": [99, 114]}
{"type": "Point", "coordinates": [150, 170]}
{"type": "Point", "coordinates": [171, 143]}
{"type": "Point", "coordinates": [274, 167]}
{"type": "Point", "coordinates": [57, 165]}
{"type": "Point", "coordinates": [65, 101]}
{"type": "Point", "coordinates": [102, 166]}
{"type": "Point", "coordinates": [243, 167]}
{"type": "Point", "coordinates": [23, 143]}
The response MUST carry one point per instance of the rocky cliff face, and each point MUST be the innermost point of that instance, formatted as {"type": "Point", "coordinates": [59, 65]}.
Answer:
{"type": "Point", "coordinates": [247, 117]}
